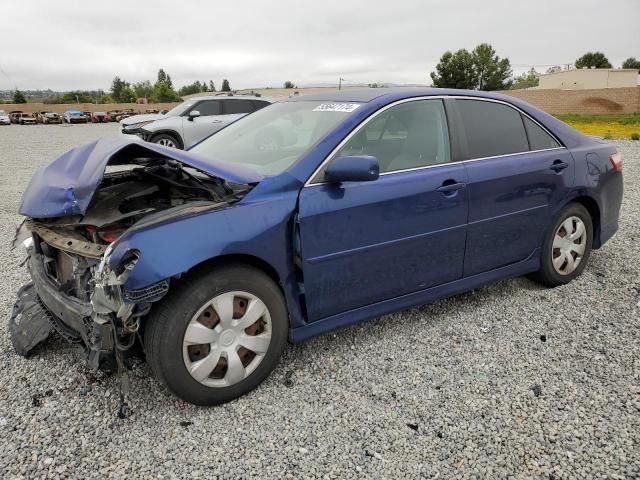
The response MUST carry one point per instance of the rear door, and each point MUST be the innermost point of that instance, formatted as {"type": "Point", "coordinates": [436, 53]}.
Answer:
{"type": "Point", "coordinates": [517, 173]}
{"type": "Point", "coordinates": [365, 242]}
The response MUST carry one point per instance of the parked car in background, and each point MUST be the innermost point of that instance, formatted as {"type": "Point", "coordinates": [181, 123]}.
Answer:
{"type": "Point", "coordinates": [309, 215]}
{"type": "Point", "coordinates": [14, 116]}
{"type": "Point", "coordinates": [193, 120]}
{"type": "Point", "coordinates": [4, 118]}
{"type": "Point", "coordinates": [112, 114]}
{"type": "Point", "coordinates": [74, 116]}
{"type": "Point", "coordinates": [124, 114]}
{"type": "Point", "coordinates": [99, 117]}
{"type": "Point", "coordinates": [88, 115]}
{"type": "Point", "coordinates": [48, 117]}
{"type": "Point", "coordinates": [27, 119]}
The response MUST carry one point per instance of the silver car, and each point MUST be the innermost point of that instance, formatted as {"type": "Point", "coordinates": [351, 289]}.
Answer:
{"type": "Point", "coordinates": [4, 118]}
{"type": "Point", "coordinates": [193, 120]}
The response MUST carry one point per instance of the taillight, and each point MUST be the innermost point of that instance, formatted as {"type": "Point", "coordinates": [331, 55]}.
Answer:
{"type": "Point", "coordinates": [616, 162]}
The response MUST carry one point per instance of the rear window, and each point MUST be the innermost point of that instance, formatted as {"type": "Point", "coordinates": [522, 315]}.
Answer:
{"type": "Point", "coordinates": [538, 138]}
{"type": "Point", "coordinates": [237, 106]}
{"type": "Point", "coordinates": [492, 129]}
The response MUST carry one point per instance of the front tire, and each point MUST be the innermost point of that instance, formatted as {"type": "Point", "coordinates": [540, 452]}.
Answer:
{"type": "Point", "coordinates": [217, 335]}
{"type": "Point", "coordinates": [167, 140]}
{"type": "Point", "coordinates": [567, 247]}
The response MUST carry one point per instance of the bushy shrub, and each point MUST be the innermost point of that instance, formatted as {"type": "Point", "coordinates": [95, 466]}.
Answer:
{"type": "Point", "coordinates": [635, 136]}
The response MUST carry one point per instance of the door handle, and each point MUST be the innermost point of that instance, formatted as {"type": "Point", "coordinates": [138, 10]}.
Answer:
{"type": "Point", "coordinates": [450, 186]}
{"type": "Point", "coordinates": [558, 165]}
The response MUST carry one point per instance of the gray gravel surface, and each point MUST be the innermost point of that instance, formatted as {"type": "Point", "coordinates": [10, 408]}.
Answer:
{"type": "Point", "coordinates": [509, 380]}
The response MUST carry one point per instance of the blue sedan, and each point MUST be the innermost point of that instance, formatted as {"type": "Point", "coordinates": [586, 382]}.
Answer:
{"type": "Point", "coordinates": [306, 216]}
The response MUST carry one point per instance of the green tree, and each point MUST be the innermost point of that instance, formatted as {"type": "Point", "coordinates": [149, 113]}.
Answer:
{"type": "Point", "coordinates": [631, 62]}
{"type": "Point", "coordinates": [163, 93]}
{"type": "Point", "coordinates": [481, 69]}
{"type": "Point", "coordinates": [289, 84]}
{"type": "Point", "coordinates": [18, 97]}
{"type": "Point", "coordinates": [212, 86]}
{"type": "Point", "coordinates": [526, 80]}
{"type": "Point", "coordinates": [455, 70]}
{"type": "Point", "coordinates": [225, 86]}
{"type": "Point", "coordinates": [128, 95]}
{"type": "Point", "coordinates": [492, 72]}
{"type": "Point", "coordinates": [162, 76]}
{"type": "Point", "coordinates": [195, 87]}
{"type": "Point", "coordinates": [593, 59]}
{"type": "Point", "coordinates": [121, 90]}
{"type": "Point", "coordinates": [143, 89]}
{"type": "Point", "coordinates": [105, 99]}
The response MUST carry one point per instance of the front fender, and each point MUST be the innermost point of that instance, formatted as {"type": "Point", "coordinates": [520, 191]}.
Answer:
{"type": "Point", "coordinates": [260, 229]}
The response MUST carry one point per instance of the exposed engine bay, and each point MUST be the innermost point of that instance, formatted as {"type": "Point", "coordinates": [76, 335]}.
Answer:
{"type": "Point", "coordinates": [73, 289]}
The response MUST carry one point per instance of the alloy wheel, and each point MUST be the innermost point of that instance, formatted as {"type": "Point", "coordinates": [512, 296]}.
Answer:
{"type": "Point", "coordinates": [166, 142]}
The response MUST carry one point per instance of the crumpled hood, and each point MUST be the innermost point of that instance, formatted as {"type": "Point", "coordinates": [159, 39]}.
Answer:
{"type": "Point", "coordinates": [147, 117]}
{"type": "Point", "coordinates": [65, 186]}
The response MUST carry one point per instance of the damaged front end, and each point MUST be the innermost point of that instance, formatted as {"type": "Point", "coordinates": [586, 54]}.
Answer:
{"type": "Point", "coordinates": [74, 287]}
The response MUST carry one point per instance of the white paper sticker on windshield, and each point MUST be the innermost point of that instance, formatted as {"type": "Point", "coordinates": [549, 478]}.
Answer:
{"type": "Point", "coordinates": [336, 107]}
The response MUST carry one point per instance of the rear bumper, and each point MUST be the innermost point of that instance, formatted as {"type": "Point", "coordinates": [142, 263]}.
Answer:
{"type": "Point", "coordinates": [610, 205]}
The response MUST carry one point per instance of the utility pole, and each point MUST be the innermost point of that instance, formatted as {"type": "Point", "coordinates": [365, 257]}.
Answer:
{"type": "Point", "coordinates": [340, 84]}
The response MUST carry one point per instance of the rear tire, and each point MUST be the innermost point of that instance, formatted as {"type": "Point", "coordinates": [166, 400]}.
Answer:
{"type": "Point", "coordinates": [167, 140]}
{"type": "Point", "coordinates": [567, 247]}
{"type": "Point", "coordinates": [199, 352]}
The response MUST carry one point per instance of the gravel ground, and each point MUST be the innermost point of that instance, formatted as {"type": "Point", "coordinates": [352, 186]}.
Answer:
{"type": "Point", "coordinates": [509, 380]}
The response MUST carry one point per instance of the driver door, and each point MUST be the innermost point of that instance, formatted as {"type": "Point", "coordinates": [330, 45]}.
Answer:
{"type": "Point", "coordinates": [209, 121]}
{"type": "Point", "coordinates": [365, 242]}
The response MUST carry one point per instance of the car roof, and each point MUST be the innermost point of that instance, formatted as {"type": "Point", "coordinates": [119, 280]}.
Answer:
{"type": "Point", "coordinates": [229, 97]}
{"type": "Point", "coordinates": [365, 95]}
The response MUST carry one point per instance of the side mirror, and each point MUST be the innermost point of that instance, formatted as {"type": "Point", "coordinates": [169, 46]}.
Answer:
{"type": "Point", "coordinates": [357, 168]}
{"type": "Point", "coordinates": [193, 114]}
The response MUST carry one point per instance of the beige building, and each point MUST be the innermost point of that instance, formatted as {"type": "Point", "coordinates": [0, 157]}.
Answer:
{"type": "Point", "coordinates": [589, 78]}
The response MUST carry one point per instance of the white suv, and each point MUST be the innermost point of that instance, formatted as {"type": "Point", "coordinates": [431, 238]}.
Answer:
{"type": "Point", "coordinates": [193, 120]}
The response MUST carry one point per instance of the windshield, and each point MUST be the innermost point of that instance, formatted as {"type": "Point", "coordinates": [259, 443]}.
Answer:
{"type": "Point", "coordinates": [180, 109]}
{"type": "Point", "coordinates": [274, 138]}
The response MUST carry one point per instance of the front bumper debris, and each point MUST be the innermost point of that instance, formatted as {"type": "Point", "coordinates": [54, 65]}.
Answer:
{"type": "Point", "coordinates": [30, 323]}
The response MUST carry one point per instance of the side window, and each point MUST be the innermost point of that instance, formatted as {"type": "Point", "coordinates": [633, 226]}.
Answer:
{"type": "Point", "coordinates": [237, 106]}
{"type": "Point", "coordinates": [410, 135]}
{"type": "Point", "coordinates": [208, 107]}
{"type": "Point", "coordinates": [492, 128]}
{"type": "Point", "coordinates": [538, 138]}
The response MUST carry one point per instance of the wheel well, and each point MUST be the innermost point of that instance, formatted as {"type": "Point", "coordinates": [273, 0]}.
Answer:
{"type": "Point", "coordinates": [236, 259]}
{"type": "Point", "coordinates": [594, 210]}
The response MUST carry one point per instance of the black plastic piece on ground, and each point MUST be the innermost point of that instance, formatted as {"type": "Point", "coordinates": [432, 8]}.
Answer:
{"type": "Point", "coordinates": [29, 324]}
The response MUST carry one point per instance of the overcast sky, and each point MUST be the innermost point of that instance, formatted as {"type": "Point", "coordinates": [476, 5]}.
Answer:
{"type": "Point", "coordinates": [65, 44]}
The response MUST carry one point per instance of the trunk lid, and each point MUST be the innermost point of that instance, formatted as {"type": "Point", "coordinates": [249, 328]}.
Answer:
{"type": "Point", "coordinates": [66, 186]}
